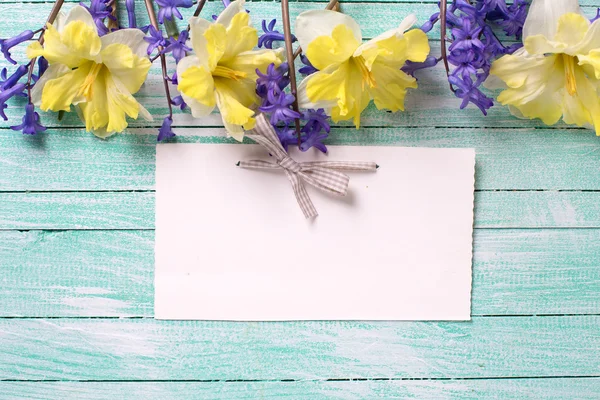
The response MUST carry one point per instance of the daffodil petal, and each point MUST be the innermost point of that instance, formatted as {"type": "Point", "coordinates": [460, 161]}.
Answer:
{"type": "Point", "coordinates": [544, 15]}
{"type": "Point", "coordinates": [124, 65]}
{"type": "Point", "coordinates": [199, 42]}
{"type": "Point", "coordinates": [120, 103]}
{"type": "Point", "coordinates": [54, 50]}
{"type": "Point", "coordinates": [325, 51]}
{"type": "Point", "coordinates": [249, 61]}
{"type": "Point", "coordinates": [305, 102]}
{"type": "Point", "coordinates": [572, 29]}
{"type": "Point", "coordinates": [391, 87]}
{"type": "Point", "coordinates": [397, 49]}
{"type": "Point", "coordinates": [398, 32]}
{"type": "Point", "coordinates": [54, 71]}
{"type": "Point", "coordinates": [197, 82]}
{"type": "Point", "coordinates": [241, 36]}
{"type": "Point", "coordinates": [234, 8]}
{"type": "Point", "coordinates": [234, 114]}
{"type": "Point", "coordinates": [314, 23]}
{"type": "Point", "coordinates": [81, 39]}
{"type": "Point", "coordinates": [77, 13]}
{"type": "Point", "coordinates": [132, 38]}
{"type": "Point", "coordinates": [60, 93]}
{"type": "Point", "coordinates": [344, 84]}
{"type": "Point", "coordinates": [590, 42]}
{"type": "Point", "coordinates": [94, 113]}
{"type": "Point", "coordinates": [583, 109]}
{"type": "Point", "coordinates": [593, 60]}
{"type": "Point", "coordinates": [215, 44]}
{"type": "Point", "coordinates": [534, 84]}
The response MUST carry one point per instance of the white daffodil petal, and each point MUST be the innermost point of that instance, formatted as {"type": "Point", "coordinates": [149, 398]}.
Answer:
{"type": "Point", "coordinates": [232, 9]}
{"type": "Point", "coordinates": [53, 71]}
{"type": "Point", "coordinates": [77, 13]}
{"type": "Point", "coordinates": [543, 16]}
{"type": "Point", "coordinates": [132, 38]}
{"type": "Point", "coordinates": [199, 43]}
{"type": "Point", "coordinates": [591, 41]}
{"type": "Point", "coordinates": [312, 24]}
{"type": "Point", "coordinates": [405, 25]}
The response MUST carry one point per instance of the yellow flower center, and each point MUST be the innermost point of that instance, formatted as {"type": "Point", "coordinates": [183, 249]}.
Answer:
{"type": "Point", "coordinates": [228, 73]}
{"type": "Point", "coordinates": [86, 88]}
{"type": "Point", "coordinates": [367, 75]}
{"type": "Point", "coordinates": [571, 82]}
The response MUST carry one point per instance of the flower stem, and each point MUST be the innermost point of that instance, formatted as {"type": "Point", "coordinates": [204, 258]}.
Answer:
{"type": "Point", "coordinates": [53, 14]}
{"type": "Point", "coordinates": [163, 61]}
{"type": "Point", "coordinates": [443, 10]}
{"type": "Point", "coordinates": [287, 33]}
{"type": "Point", "coordinates": [332, 5]}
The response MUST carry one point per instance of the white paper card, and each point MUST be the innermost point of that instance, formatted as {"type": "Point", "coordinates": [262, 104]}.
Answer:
{"type": "Point", "coordinates": [233, 244]}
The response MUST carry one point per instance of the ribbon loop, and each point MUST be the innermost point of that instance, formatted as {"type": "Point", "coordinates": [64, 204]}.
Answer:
{"type": "Point", "coordinates": [323, 175]}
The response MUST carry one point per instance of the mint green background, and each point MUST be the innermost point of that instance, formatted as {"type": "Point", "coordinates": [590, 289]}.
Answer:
{"type": "Point", "coordinates": [76, 263]}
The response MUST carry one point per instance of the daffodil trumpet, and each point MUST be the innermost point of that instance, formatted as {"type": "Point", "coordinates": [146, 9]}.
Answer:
{"type": "Point", "coordinates": [557, 73]}
{"type": "Point", "coordinates": [350, 73]}
{"type": "Point", "coordinates": [97, 75]}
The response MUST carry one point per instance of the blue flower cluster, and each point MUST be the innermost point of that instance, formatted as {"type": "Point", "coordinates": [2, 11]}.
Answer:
{"type": "Point", "coordinates": [11, 84]}
{"type": "Point", "coordinates": [475, 45]}
{"type": "Point", "coordinates": [270, 86]}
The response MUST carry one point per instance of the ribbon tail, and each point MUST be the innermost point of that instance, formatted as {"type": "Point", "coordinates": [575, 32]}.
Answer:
{"type": "Point", "coordinates": [328, 180]}
{"type": "Point", "coordinates": [304, 200]}
{"type": "Point", "coordinates": [343, 165]}
{"type": "Point", "coordinates": [257, 164]}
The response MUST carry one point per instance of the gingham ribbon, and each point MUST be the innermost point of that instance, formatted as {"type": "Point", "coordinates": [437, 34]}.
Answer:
{"type": "Point", "coordinates": [323, 175]}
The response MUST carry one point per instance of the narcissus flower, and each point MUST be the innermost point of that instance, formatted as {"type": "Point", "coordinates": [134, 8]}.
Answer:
{"type": "Point", "coordinates": [96, 74]}
{"type": "Point", "coordinates": [222, 72]}
{"type": "Point", "coordinates": [557, 73]}
{"type": "Point", "coordinates": [351, 73]}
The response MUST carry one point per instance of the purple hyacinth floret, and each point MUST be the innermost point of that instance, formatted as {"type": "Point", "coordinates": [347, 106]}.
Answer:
{"type": "Point", "coordinates": [278, 104]}
{"type": "Point", "coordinates": [155, 40]}
{"type": "Point", "coordinates": [411, 67]}
{"type": "Point", "coordinates": [30, 124]}
{"type": "Point", "coordinates": [474, 45]}
{"type": "Point", "coordinates": [271, 35]}
{"type": "Point", "coordinates": [42, 67]}
{"type": "Point", "coordinates": [177, 47]}
{"type": "Point", "coordinates": [165, 132]}
{"type": "Point", "coordinates": [178, 101]}
{"type": "Point", "coordinates": [270, 86]}
{"type": "Point", "coordinates": [130, 6]}
{"type": "Point", "coordinates": [99, 10]}
{"type": "Point", "coordinates": [5, 95]}
{"type": "Point", "coordinates": [308, 67]}
{"type": "Point", "coordinates": [6, 82]}
{"type": "Point", "coordinates": [168, 9]}
{"type": "Point", "coordinates": [7, 44]}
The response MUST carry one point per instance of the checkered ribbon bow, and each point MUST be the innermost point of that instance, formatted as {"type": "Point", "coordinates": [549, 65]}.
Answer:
{"type": "Point", "coordinates": [323, 175]}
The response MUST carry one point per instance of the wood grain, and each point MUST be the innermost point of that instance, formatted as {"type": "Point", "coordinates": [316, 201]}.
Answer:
{"type": "Point", "coordinates": [506, 159]}
{"type": "Point", "coordinates": [504, 389]}
{"type": "Point", "coordinates": [110, 273]}
{"type": "Point", "coordinates": [135, 210]}
{"type": "Point", "coordinates": [145, 349]}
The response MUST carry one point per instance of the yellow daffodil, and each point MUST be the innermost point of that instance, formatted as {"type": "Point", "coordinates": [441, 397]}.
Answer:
{"type": "Point", "coordinates": [222, 72]}
{"type": "Point", "coordinates": [96, 74]}
{"type": "Point", "coordinates": [351, 73]}
{"type": "Point", "coordinates": [557, 73]}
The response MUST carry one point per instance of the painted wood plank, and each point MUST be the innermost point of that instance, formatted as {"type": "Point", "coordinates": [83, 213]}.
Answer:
{"type": "Point", "coordinates": [501, 389]}
{"type": "Point", "coordinates": [111, 273]}
{"type": "Point", "coordinates": [506, 159]}
{"type": "Point", "coordinates": [135, 210]}
{"type": "Point", "coordinates": [145, 349]}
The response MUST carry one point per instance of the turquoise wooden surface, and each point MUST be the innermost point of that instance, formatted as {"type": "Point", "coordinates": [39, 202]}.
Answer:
{"type": "Point", "coordinates": [76, 263]}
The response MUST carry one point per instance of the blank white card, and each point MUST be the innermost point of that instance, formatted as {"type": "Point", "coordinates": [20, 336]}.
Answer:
{"type": "Point", "coordinates": [232, 244]}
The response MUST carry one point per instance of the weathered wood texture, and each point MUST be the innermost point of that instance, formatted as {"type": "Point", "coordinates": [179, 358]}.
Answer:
{"type": "Point", "coordinates": [504, 389]}
{"type": "Point", "coordinates": [81, 245]}
{"type": "Point", "coordinates": [135, 210]}
{"type": "Point", "coordinates": [509, 159]}
{"type": "Point", "coordinates": [110, 273]}
{"type": "Point", "coordinates": [145, 349]}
